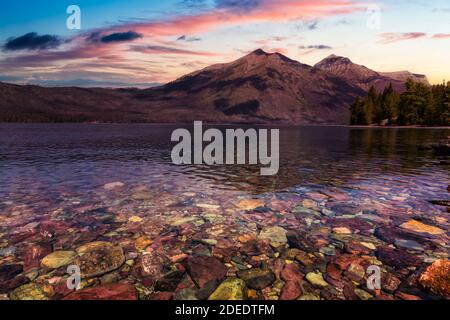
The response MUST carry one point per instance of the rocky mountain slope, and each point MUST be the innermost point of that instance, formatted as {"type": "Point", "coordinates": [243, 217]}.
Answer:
{"type": "Point", "coordinates": [260, 87]}
{"type": "Point", "coordinates": [364, 77]}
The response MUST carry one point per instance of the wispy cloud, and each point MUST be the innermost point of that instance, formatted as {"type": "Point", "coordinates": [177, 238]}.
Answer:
{"type": "Point", "coordinates": [392, 37]}
{"type": "Point", "coordinates": [169, 50]}
{"type": "Point", "coordinates": [316, 47]}
{"type": "Point", "coordinates": [442, 36]}
{"type": "Point", "coordinates": [188, 39]}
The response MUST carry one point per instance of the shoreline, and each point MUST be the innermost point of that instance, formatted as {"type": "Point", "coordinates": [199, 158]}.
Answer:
{"type": "Point", "coordinates": [233, 124]}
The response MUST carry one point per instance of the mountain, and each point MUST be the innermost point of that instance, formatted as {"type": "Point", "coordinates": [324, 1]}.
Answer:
{"type": "Point", "coordinates": [260, 87]}
{"type": "Point", "coordinates": [364, 77]}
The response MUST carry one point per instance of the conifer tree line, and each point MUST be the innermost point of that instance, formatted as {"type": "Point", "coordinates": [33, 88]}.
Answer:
{"type": "Point", "coordinates": [420, 104]}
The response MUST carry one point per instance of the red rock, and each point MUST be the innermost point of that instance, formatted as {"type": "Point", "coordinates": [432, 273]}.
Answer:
{"type": "Point", "coordinates": [333, 271]}
{"type": "Point", "coordinates": [397, 258]}
{"type": "Point", "coordinates": [162, 296]}
{"type": "Point", "coordinates": [61, 290]}
{"type": "Point", "coordinates": [291, 291]}
{"type": "Point", "coordinates": [118, 291]}
{"type": "Point", "coordinates": [349, 292]}
{"type": "Point", "coordinates": [11, 284]}
{"type": "Point", "coordinates": [32, 255]}
{"type": "Point", "coordinates": [255, 247]}
{"type": "Point", "coordinates": [150, 266]}
{"type": "Point", "coordinates": [343, 261]}
{"type": "Point", "coordinates": [291, 272]}
{"type": "Point", "coordinates": [436, 278]}
{"type": "Point", "coordinates": [204, 269]}
{"type": "Point", "coordinates": [384, 297]}
{"type": "Point", "coordinates": [405, 296]}
{"type": "Point", "coordinates": [389, 282]}
{"type": "Point", "coordinates": [353, 247]}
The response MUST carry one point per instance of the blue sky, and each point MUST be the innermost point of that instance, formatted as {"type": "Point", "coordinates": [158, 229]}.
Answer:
{"type": "Point", "coordinates": [175, 37]}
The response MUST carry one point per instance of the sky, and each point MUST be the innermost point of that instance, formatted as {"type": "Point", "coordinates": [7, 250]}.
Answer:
{"type": "Point", "coordinates": [142, 43]}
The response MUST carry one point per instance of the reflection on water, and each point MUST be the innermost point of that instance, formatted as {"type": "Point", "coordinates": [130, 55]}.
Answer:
{"type": "Point", "coordinates": [49, 158]}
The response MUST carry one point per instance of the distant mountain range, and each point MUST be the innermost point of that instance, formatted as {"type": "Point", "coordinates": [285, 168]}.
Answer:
{"type": "Point", "coordinates": [260, 87]}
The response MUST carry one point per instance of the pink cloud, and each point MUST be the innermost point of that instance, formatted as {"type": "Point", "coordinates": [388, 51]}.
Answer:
{"type": "Point", "coordinates": [392, 37]}
{"type": "Point", "coordinates": [268, 11]}
{"type": "Point", "coordinates": [441, 36]}
{"type": "Point", "coordinates": [150, 49]}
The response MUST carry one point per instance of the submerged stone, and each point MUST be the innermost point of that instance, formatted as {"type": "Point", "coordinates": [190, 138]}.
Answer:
{"type": "Point", "coordinates": [58, 259]}
{"type": "Point", "coordinates": [230, 289]}
{"type": "Point", "coordinates": [276, 236]}
{"type": "Point", "coordinates": [249, 204]}
{"type": "Point", "coordinates": [291, 291]}
{"type": "Point", "coordinates": [256, 278]}
{"type": "Point", "coordinates": [170, 281]}
{"type": "Point", "coordinates": [397, 258]}
{"type": "Point", "coordinates": [417, 226]}
{"type": "Point", "coordinates": [113, 185]}
{"type": "Point", "coordinates": [436, 278]}
{"type": "Point", "coordinates": [29, 291]}
{"type": "Point", "coordinates": [98, 258]}
{"type": "Point", "coordinates": [9, 271]}
{"type": "Point", "coordinates": [119, 291]}
{"type": "Point", "coordinates": [204, 269]}
{"type": "Point", "coordinates": [408, 244]}
{"type": "Point", "coordinates": [316, 279]}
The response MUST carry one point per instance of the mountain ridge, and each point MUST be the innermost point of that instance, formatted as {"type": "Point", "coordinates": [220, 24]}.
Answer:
{"type": "Point", "coordinates": [259, 87]}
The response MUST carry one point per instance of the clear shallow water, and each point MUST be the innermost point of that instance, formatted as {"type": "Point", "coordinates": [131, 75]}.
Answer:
{"type": "Point", "coordinates": [46, 159]}
{"type": "Point", "coordinates": [368, 182]}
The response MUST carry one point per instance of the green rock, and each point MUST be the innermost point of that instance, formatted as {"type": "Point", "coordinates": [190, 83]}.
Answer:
{"type": "Point", "coordinates": [178, 221]}
{"type": "Point", "coordinates": [58, 259]}
{"type": "Point", "coordinates": [231, 289]}
{"type": "Point", "coordinates": [29, 291]}
{"type": "Point", "coordinates": [309, 296]}
{"type": "Point", "coordinates": [142, 195]}
{"type": "Point", "coordinates": [186, 294]}
{"type": "Point", "coordinates": [276, 236]}
{"type": "Point", "coordinates": [211, 242]}
{"type": "Point", "coordinates": [363, 295]}
{"type": "Point", "coordinates": [316, 279]}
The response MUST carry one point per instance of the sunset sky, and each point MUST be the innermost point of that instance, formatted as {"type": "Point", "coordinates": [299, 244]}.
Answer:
{"type": "Point", "coordinates": [146, 42]}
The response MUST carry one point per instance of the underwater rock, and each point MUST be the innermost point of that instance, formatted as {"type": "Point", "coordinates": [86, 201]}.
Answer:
{"type": "Point", "coordinates": [417, 226]}
{"type": "Point", "coordinates": [230, 289]}
{"type": "Point", "coordinates": [397, 258]}
{"type": "Point", "coordinates": [30, 291]}
{"type": "Point", "coordinates": [436, 278]}
{"type": "Point", "coordinates": [276, 236]}
{"type": "Point", "coordinates": [316, 279]}
{"type": "Point", "coordinates": [58, 259]}
{"type": "Point", "coordinates": [204, 269]}
{"type": "Point", "coordinates": [98, 258]}
{"type": "Point", "coordinates": [256, 278]}
{"type": "Point", "coordinates": [118, 291]}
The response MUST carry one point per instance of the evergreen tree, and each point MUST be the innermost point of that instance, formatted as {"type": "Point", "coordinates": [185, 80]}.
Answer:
{"type": "Point", "coordinates": [420, 104]}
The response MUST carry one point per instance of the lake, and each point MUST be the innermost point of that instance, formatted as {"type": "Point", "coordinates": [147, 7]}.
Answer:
{"type": "Point", "coordinates": [66, 185]}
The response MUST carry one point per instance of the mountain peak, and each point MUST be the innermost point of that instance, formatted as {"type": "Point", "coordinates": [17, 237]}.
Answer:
{"type": "Point", "coordinates": [332, 60]}
{"type": "Point", "coordinates": [260, 52]}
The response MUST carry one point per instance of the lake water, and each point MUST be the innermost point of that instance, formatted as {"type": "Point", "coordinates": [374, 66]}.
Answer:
{"type": "Point", "coordinates": [53, 178]}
